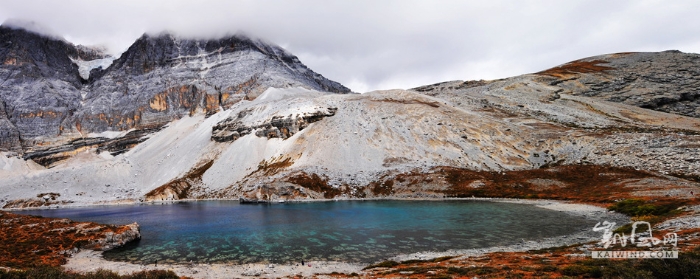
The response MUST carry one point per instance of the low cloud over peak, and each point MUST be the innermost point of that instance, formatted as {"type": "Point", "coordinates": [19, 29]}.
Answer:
{"type": "Point", "coordinates": [370, 45]}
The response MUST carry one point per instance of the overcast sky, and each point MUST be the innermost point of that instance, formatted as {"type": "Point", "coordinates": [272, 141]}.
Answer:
{"type": "Point", "coordinates": [370, 45]}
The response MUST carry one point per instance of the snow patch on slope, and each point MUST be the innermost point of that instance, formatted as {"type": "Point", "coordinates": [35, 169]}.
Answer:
{"type": "Point", "coordinates": [109, 134]}
{"type": "Point", "coordinates": [84, 67]}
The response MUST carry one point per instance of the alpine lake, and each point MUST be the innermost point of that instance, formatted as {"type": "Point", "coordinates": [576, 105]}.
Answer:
{"type": "Point", "coordinates": [348, 231]}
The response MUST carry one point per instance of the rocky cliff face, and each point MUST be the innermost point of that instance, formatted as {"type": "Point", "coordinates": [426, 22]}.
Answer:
{"type": "Point", "coordinates": [161, 78]}
{"type": "Point", "coordinates": [44, 100]}
{"type": "Point", "coordinates": [278, 126]}
{"type": "Point", "coordinates": [40, 86]}
{"type": "Point", "coordinates": [666, 81]}
{"type": "Point", "coordinates": [9, 135]}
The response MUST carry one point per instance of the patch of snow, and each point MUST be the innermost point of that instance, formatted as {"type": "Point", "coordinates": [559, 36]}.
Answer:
{"type": "Point", "coordinates": [275, 94]}
{"type": "Point", "coordinates": [109, 134]}
{"type": "Point", "coordinates": [84, 67]}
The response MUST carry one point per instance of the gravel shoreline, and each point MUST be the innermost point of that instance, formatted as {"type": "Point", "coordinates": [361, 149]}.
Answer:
{"type": "Point", "coordinates": [86, 261]}
{"type": "Point", "coordinates": [590, 212]}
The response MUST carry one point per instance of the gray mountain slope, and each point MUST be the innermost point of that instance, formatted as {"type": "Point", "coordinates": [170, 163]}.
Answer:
{"type": "Point", "coordinates": [298, 143]}
{"type": "Point", "coordinates": [666, 81]}
{"type": "Point", "coordinates": [39, 86]}
{"type": "Point", "coordinates": [161, 78]}
{"type": "Point", "coordinates": [45, 102]}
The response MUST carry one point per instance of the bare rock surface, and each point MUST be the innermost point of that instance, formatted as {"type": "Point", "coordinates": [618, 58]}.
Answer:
{"type": "Point", "coordinates": [87, 261]}
{"type": "Point", "coordinates": [666, 81]}
{"type": "Point", "coordinates": [370, 145]}
{"type": "Point", "coordinates": [52, 92]}
{"type": "Point", "coordinates": [111, 240]}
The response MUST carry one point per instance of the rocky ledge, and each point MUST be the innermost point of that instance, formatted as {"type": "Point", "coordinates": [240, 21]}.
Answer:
{"type": "Point", "coordinates": [48, 156]}
{"type": "Point", "coordinates": [232, 128]}
{"type": "Point", "coordinates": [116, 239]}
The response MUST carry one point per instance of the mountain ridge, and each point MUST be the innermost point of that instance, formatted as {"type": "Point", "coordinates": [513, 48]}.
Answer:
{"type": "Point", "coordinates": [664, 81]}
{"type": "Point", "coordinates": [127, 95]}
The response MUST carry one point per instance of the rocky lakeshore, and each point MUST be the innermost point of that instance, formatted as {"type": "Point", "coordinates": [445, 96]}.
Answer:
{"type": "Point", "coordinates": [27, 241]}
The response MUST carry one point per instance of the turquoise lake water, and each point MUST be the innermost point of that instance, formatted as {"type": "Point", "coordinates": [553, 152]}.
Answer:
{"type": "Point", "coordinates": [351, 231]}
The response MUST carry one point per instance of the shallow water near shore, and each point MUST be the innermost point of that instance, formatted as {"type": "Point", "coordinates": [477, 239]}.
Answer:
{"type": "Point", "coordinates": [348, 231]}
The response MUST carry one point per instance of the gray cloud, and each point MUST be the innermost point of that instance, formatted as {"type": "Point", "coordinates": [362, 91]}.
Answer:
{"type": "Point", "coordinates": [370, 45]}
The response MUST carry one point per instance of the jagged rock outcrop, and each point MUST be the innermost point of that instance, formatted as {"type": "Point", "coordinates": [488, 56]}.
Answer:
{"type": "Point", "coordinates": [116, 239]}
{"type": "Point", "coordinates": [179, 188]}
{"type": "Point", "coordinates": [115, 146]}
{"type": "Point", "coordinates": [46, 101]}
{"type": "Point", "coordinates": [232, 128]}
{"type": "Point", "coordinates": [666, 81]}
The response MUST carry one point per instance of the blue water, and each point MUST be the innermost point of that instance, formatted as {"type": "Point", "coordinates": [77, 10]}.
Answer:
{"type": "Point", "coordinates": [353, 231]}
